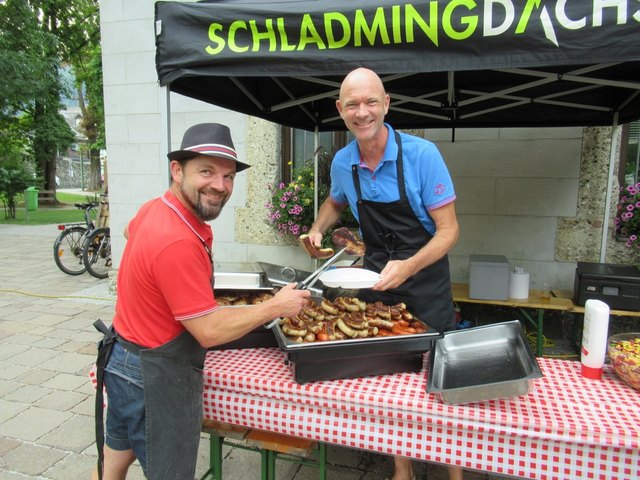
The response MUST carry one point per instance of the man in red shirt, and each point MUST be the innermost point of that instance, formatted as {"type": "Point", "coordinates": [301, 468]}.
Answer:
{"type": "Point", "coordinates": [166, 314]}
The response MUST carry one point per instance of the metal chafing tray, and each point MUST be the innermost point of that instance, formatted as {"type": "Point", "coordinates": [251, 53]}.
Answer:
{"type": "Point", "coordinates": [482, 363]}
{"type": "Point", "coordinates": [240, 276]}
{"type": "Point", "coordinates": [353, 358]}
{"type": "Point", "coordinates": [246, 278]}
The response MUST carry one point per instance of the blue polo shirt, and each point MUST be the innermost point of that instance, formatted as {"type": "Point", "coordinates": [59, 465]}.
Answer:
{"type": "Point", "coordinates": [427, 180]}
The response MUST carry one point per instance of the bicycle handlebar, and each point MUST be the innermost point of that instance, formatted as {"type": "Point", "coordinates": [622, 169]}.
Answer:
{"type": "Point", "coordinates": [84, 206]}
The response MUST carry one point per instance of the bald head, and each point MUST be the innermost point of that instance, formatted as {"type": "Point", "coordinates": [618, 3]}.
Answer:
{"type": "Point", "coordinates": [361, 77]}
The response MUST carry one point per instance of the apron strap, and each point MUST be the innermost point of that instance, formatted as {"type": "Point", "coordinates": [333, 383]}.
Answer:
{"type": "Point", "coordinates": [104, 352]}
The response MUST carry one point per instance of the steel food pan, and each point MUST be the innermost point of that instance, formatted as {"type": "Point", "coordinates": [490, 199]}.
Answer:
{"type": "Point", "coordinates": [482, 363]}
{"type": "Point", "coordinates": [280, 275]}
{"type": "Point", "coordinates": [241, 281]}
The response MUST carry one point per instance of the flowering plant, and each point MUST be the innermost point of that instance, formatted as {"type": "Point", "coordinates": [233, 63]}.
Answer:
{"type": "Point", "coordinates": [627, 222]}
{"type": "Point", "coordinates": [291, 205]}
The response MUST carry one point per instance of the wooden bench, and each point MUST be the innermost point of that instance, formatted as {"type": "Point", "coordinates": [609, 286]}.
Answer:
{"type": "Point", "coordinates": [46, 196]}
{"type": "Point", "coordinates": [271, 446]}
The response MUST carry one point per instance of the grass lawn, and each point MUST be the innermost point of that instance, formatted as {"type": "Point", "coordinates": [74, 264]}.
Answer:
{"type": "Point", "coordinates": [45, 215]}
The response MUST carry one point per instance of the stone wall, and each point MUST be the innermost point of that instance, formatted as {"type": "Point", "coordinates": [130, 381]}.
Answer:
{"type": "Point", "coordinates": [69, 172]}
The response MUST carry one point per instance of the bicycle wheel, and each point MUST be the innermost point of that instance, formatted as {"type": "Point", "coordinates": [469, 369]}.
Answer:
{"type": "Point", "coordinates": [67, 250]}
{"type": "Point", "coordinates": [96, 254]}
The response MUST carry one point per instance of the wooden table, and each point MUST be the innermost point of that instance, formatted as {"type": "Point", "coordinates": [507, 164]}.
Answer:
{"type": "Point", "coordinates": [566, 427]}
{"type": "Point", "coordinates": [560, 300]}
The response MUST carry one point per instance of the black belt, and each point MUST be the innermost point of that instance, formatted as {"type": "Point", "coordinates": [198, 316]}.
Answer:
{"type": "Point", "coordinates": [129, 346]}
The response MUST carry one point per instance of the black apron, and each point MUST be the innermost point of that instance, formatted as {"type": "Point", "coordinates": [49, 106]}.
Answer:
{"type": "Point", "coordinates": [173, 387]}
{"type": "Point", "coordinates": [391, 231]}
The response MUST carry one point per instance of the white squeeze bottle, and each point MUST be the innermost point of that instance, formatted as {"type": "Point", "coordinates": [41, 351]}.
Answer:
{"type": "Point", "coordinates": [594, 338]}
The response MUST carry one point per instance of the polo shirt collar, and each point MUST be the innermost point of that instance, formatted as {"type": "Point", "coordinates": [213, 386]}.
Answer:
{"type": "Point", "coordinates": [390, 150]}
{"type": "Point", "coordinates": [200, 228]}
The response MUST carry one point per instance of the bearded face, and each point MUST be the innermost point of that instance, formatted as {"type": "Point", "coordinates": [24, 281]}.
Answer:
{"type": "Point", "coordinates": [205, 184]}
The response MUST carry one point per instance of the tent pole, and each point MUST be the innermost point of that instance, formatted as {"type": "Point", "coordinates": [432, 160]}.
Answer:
{"type": "Point", "coordinates": [316, 142]}
{"type": "Point", "coordinates": [607, 203]}
{"type": "Point", "coordinates": [165, 116]}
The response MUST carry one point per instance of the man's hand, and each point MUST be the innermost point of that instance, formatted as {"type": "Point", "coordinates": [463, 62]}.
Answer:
{"type": "Point", "coordinates": [394, 274]}
{"type": "Point", "coordinates": [289, 301]}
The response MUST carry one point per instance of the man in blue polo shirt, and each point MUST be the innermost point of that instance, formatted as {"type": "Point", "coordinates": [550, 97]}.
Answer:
{"type": "Point", "coordinates": [401, 193]}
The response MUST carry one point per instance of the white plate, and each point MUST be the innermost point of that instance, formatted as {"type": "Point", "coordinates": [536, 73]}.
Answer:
{"type": "Point", "coordinates": [349, 278]}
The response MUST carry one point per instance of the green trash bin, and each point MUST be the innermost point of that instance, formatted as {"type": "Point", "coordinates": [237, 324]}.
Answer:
{"type": "Point", "coordinates": [31, 198]}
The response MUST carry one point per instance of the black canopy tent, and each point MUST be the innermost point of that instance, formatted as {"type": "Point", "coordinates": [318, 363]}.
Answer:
{"type": "Point", "coordinates": [444, 63]}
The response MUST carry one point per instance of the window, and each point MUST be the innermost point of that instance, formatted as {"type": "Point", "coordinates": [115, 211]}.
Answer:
{"type": "Point", "coordinates": [627, 221]}
{"type": "Point", "coordinates": [298, 148]}
{"type": "Point", "coordinates": [630, 154]}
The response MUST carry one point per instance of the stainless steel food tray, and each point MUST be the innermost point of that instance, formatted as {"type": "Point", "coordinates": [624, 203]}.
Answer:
{"type": "Point", "coordinates": [240, 276]}
{"type": "Point", "coordinates": [482, 363]}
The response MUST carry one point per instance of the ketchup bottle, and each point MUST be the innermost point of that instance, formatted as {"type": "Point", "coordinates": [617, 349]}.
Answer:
{"type": "Point", "coordinates": [594, 338]}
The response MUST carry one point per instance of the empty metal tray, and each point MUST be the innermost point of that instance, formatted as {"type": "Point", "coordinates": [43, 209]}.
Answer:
{"type": "Point", "coordinates": [240, 276]}
{"type": "Point", "coordinates": [482, 363]}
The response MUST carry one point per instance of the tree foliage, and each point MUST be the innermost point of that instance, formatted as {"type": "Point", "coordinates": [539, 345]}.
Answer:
{"type": "Point", "coordinates": [14, 178]}
{"type": "Point", "coordinates": [38, 37]}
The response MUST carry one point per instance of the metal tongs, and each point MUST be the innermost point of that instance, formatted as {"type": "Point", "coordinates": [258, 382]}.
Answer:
{"type": "Point", "coordinates": [311, 280]}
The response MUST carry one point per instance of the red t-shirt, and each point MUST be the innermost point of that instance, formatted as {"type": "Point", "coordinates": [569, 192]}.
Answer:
{"type": "Point", "coordinates": [165, 273]}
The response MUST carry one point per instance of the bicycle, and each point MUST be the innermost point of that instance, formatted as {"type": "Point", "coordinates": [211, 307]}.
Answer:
{"type": "Point", "coordinates": [96, 251]}
{"type": "Point", "coordinates": [68, 246]}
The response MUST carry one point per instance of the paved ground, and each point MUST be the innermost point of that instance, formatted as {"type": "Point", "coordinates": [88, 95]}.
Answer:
{"type": "Point", "coordinates": [47, 346]}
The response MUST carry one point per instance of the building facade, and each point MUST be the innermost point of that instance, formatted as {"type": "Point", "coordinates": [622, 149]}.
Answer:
{"type": "Point", "coordinates": [536, 196]}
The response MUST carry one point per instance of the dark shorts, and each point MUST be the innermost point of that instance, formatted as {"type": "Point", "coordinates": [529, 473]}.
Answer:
{"type": "Point", "coordinates": [125, 425]}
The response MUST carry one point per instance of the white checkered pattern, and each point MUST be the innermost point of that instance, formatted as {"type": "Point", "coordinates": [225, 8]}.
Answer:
{"type": "Point", "coordinates": [566, 427]}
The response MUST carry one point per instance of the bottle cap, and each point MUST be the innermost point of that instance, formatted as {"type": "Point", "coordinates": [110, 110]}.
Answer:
{"type": "Point", "coordinates": [590, 372]}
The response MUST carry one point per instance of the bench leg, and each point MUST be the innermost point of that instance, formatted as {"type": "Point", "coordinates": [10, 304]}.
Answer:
{"type": "Point", "coordinates": [322, 460]}
{"type": "Point", "coordinates": [215, 458]}
{"type": "Point", "coordinates": [268, 465]}
{"type": "Point", "coordinates": [272, 456]}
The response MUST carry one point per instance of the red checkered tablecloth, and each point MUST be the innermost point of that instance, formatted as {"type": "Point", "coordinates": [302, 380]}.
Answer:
{"type": "Point", "coordinates": [566, 427]}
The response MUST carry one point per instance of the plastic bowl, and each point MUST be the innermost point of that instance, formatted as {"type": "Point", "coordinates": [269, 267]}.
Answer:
{"type": "Point", "coordinates": [624, 354]}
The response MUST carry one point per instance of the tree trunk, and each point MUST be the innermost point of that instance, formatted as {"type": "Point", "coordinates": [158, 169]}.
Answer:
{"type": "Point", "coordinates": [45, 152]}
{"type": "Point", "coordinates": [95, 181]}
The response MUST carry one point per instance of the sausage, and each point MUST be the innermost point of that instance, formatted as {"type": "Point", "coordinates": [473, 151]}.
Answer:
{"type": "Point", "coordinates": [312, 250]}
{"type": "Point", "coordinates": [355, 320]}
{"type": "Point", "coordinates": [291, 331]}
{"type": "Point", "coordinates": [315, 327]}
{"type": "Point", "coordinates": [328, 307]}
{"type": "Point", "coordinates": [344, 328]}
{"type": "Point", "coordinates": [313, 312]}
{"type": "Point", "coordinates": [380, 323]}
{"type": "Point", "coordinates": [344, 238]}
{"type": "Point", "coordinates": [329, 329]}
{"type": "Point", "coordinates": [347, 304]}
